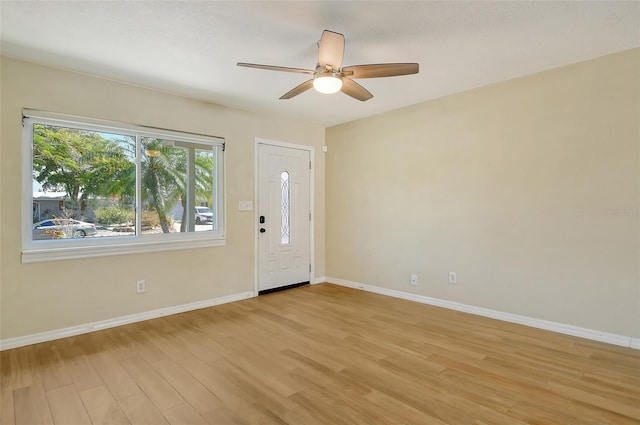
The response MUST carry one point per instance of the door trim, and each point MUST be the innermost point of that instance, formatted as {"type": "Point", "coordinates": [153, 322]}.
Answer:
{"type": "Point", "coordinates": [311, 150]}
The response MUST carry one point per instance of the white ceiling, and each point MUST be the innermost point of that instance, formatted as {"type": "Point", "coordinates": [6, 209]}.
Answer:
{"type": "Point", "coordinates": [191, 47]}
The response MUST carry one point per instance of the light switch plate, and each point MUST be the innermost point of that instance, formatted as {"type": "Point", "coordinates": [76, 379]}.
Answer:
{"type": "Point", "coordinates": [245, 206]}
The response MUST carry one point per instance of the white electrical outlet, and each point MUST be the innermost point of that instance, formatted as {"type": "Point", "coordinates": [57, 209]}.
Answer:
{"type": "Point", "coordinates": [414, 280]}
{"type": "Point", "coordinates": [141, 287]}
{"type": "Point", "coordinates": [453, 277]}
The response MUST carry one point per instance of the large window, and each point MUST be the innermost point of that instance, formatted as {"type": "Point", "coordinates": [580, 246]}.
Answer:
{"type": "Point", "coordinates": [101, 188]}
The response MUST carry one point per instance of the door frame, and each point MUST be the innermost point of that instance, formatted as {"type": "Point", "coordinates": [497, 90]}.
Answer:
{"type": "Point", "coordinates": [256, 247]}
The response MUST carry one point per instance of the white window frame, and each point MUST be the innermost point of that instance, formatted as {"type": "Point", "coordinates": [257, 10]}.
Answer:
{"type": "Point", "coordinates": [52, 250]}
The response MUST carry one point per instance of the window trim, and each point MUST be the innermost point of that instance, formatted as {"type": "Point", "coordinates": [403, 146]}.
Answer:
{"type": "Point", "coordinates": [39, 251]}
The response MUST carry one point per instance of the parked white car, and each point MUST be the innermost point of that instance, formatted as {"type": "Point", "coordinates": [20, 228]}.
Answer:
{"type": "Point", "coordinates": [60, 228]}
{"type": "Point", "coordinates": [204, 215]}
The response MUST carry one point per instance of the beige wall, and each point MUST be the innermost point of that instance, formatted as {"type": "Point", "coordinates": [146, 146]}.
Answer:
{"type": "Point", "coordinates": [507, 185]}
{"type": "Point", "coordinates": [53, 295]}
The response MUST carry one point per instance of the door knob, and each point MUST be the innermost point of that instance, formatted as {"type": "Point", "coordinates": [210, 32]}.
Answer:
{"type": "Point", "coordinates": [262, 230]}
{"type": "Point", "coordinates": [261, 219]}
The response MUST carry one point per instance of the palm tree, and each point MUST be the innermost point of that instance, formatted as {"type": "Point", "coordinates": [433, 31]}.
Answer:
{"type": "Point", "coordinates": [160, 184]}
{"type": "Point", "coordinates": [203, 183]}
{"type": "Point", "coordinates": [164, 179]}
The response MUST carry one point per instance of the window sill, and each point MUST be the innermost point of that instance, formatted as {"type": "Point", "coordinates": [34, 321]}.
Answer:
{"type": "Point", "coordinates": [69, 253]}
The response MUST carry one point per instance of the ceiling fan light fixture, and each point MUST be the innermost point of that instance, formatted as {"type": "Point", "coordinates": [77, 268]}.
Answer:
{"type": "Point", "coordinates": [327, 84]}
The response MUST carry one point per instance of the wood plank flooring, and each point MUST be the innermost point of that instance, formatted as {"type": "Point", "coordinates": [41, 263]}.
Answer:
{"type": "Point", "coordinates": [321, 355]}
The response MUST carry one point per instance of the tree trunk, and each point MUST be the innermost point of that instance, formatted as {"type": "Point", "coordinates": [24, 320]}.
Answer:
{"type": "Point", "coordinates": [158, 205]}
{"type": "Point", "coordinates": [164, 223]}
{"type": "Point", "coordinates": [183, 223]}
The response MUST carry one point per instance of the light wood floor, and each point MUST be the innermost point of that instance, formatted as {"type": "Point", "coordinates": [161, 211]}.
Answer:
{"type": "Point", "coordinates": [321, 355]}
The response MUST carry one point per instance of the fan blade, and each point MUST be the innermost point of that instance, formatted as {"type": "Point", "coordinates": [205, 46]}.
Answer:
{"type": "Point", "coordinates": [275, 68]}
{"type": "Point", "coordinates": [298, 89]}
{"type": "Point", "coordinates": [331, 50]}
{"type": "Point", "coordinates": [380, 70]}
{"type": "Point", "coordinates": [355, 90]}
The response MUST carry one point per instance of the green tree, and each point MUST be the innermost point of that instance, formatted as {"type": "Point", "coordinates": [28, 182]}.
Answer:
{"type": "Point", "coordinates": [80, 163]}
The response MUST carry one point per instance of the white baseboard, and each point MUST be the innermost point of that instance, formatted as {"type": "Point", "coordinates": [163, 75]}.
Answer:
{"type": "Point", "coordinates": [494, 314]}
{"type": "Point", "coordinates": [562, 328]}
{"type": "Point", "coordinates": [118, 321]}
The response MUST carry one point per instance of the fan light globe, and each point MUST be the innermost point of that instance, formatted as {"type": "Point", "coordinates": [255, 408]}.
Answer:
{"type": "Point", "coordinates": [327, 84]}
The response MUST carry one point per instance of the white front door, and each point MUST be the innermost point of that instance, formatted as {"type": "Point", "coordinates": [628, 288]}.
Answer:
{"type": "Point", "coordinates": [284, 216]}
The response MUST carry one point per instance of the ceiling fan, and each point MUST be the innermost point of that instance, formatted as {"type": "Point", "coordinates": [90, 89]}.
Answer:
{"type": "Point", "coordinates": [330, 77]}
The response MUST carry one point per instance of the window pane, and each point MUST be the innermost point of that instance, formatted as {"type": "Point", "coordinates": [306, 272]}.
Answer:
{"type": "Point", "coordinates": [83, 183]}
{"type": "Point", "coordinates": [177, 186]}
{"type": "Point", "coordinates": [285, 209]}
{"type": "Point", "coordinates": [205, 210]}
{"type": "Point", "coordinates": [163, 172]}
